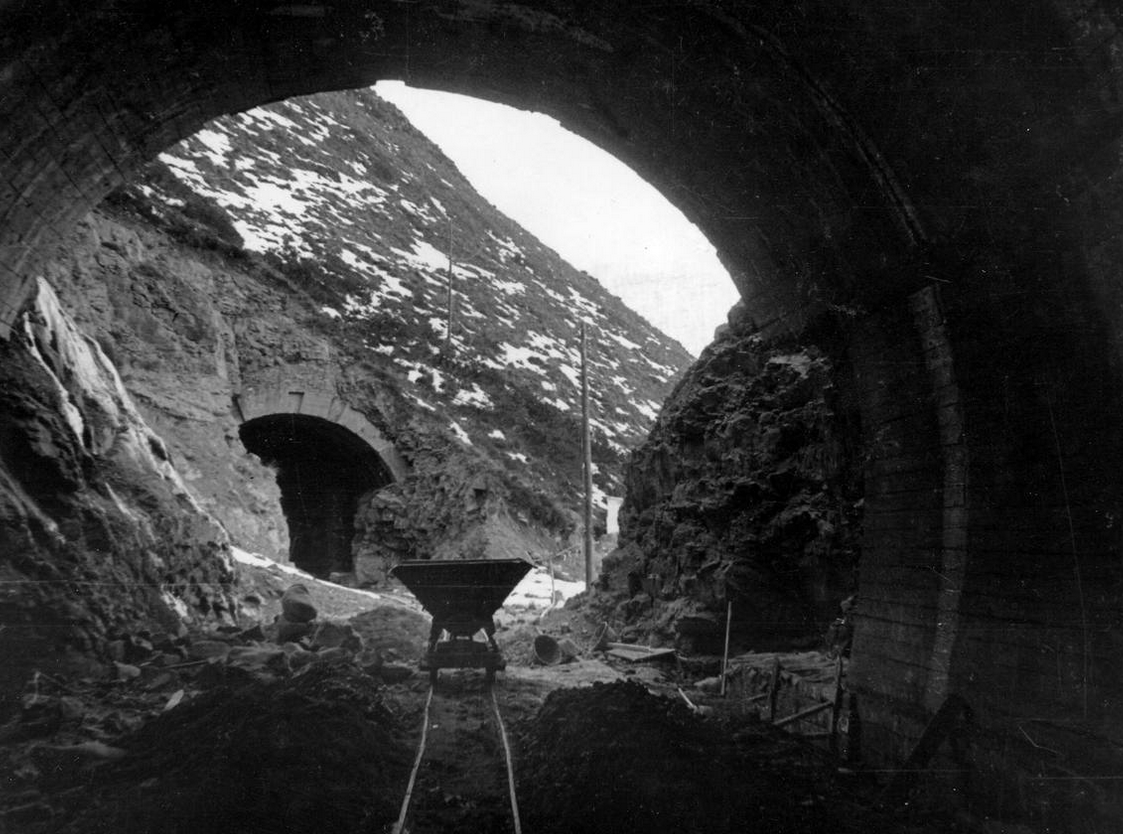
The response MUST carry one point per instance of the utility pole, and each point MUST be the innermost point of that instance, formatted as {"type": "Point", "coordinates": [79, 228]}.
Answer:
{"type": "Point", "coordinates": [451, 302]}
{"type": "Point", "coordinates": [587, 458]}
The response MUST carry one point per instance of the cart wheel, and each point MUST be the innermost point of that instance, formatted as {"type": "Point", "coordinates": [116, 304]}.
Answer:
{"type": "Point", "coordinates": [433, 673]}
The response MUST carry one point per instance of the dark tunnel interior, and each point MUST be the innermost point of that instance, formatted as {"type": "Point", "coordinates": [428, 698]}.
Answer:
{"type": "Point", "coordinates": [322, 470]}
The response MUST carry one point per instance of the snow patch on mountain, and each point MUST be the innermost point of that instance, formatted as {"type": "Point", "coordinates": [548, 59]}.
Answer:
{"type": "Point", "coordinates": [343, 182]}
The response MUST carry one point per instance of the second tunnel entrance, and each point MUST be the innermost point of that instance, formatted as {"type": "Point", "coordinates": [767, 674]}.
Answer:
{"type": "Point", "coordinates": [322, 470]}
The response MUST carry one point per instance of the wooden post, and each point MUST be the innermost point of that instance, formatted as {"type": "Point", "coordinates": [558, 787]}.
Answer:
{"type": "Point", "coordinates": [587, 457]}
{"type": "Point", "coordinates": [836, 706]}
{"type": "Point", "coordinates": [725, 657]}
{"type": "Point", "coordinates": [773, 690]}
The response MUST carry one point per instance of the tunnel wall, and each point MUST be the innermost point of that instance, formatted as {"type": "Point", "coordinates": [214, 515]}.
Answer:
{"type": "Point", "coordinates": [898, 572]}
{"type": "Point", "coordinates": [990, 567]}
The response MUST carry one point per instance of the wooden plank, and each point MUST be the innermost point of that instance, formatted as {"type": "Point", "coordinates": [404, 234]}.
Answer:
{"type": "Point", "coordinates": [803, 713]}
{"type": "Point", "coordinates": [637, 654]}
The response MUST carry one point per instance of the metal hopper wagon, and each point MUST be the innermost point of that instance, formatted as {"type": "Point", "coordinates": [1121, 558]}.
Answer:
{"type": "Point", "coordinates": [462, 596]}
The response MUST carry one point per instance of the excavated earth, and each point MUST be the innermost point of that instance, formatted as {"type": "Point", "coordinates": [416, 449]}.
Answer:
{"type": "Point", "coordinates": [225, 731]}
{"type": "Point", "coordinates": [615, 757]}
{"type": "Point", "coordinates": [318, 751]}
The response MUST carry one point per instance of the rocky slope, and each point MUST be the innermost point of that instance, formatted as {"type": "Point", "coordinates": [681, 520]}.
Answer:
{"type": "Point", "coordinates": [304, 247]}
{"type": "Point", "coordinates": [99, 535]}
{"type": "Point", "coordinates": [212, 353]}
{"type": "Point", "coordinates": [745, 492]}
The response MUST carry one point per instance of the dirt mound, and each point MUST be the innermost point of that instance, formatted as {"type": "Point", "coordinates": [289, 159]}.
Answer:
{"type": "Point", "coordinates": [318, 752]}
{"type": "Point", "coordinates": [613, 757]}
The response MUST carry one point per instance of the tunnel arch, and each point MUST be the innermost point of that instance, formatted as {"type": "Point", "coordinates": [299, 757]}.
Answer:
{"type": "Point", "coordinates": [939, 183]}
{"type": "Point", "coordinates": [326, 456]}
{"type": "Point", "coordinates": [256, 401]}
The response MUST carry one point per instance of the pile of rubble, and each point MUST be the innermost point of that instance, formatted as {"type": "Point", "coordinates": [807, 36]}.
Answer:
{"type": "Point", "coordinates": [615, 757]}
{"type": "Point", "coordinates": [316, 751]}
{"type": "Point", "coordinates": [226, 694]}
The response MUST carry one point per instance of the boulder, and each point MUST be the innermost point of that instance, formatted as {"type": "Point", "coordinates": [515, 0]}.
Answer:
{"type": "Point", "coordinates": [297, 605]}
{"type": "Point", "coordinates": [329, 634]}
{"type": "Point", "coordinates": [289, 631]}
{"type": "Point", "coordinates": [125, 671]}
{"type": "Point", "coordinates": [392, 673]}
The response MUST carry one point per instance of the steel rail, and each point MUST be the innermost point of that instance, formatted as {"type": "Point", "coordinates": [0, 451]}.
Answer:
{"type": "Point", "coordinates": [510, 762]}
{"type": "Point", "coordinates": [407, 801]}
{"type": "Point", "coordinates": [400, 824]}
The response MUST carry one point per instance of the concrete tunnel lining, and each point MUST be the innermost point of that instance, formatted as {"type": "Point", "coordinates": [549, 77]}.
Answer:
{"type": "Point", "coordinates": [810, 144]}
{"type": "Point", "coordinates": [255, 401]}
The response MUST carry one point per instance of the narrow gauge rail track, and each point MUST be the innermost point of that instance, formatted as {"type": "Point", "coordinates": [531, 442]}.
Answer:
{"type": "Point", "coordinates": [463, 777]}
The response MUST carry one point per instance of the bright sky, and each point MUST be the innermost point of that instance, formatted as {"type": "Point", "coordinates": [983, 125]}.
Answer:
{"type": "Point", "coordinates": [589, 207]}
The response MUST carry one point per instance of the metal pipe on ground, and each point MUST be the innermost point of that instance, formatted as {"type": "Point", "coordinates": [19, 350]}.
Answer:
{"type": "Point", "coordinates": [551, 652]}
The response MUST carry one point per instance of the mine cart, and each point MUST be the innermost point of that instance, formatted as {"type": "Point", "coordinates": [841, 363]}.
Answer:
{"type": "Point", "coordinates": [462, 596]}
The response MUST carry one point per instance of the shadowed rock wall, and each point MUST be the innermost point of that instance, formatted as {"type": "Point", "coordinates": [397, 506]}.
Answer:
{"type": "Point", "coordinates": [749, 491]}
{"type": "Point", "coordinates": [100, 536]}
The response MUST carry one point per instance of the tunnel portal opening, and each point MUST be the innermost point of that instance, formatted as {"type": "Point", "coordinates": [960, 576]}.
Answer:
{"type": "Point", "coordinates": [322, 470]}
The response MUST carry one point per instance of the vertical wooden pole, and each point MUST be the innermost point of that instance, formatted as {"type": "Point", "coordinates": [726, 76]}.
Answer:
{"type": "Point", "coordinates": [450, 302]}
{"type": "Point", "coordinates": [587, 458]}
{"type": "Point", "coordinates": [773, 691]}
{"type": "Point", "coordinates": [725, 657]}
{"type": "Point", "coordinates": [836, 707]}
{"type": "Point", "coordinates": [553, 593]}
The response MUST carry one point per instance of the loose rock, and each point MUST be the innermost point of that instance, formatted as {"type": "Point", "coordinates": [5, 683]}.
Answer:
{"type": "Point", "coordinates": [297, 605]}
{"type": "Point", "coordinates": [125, 671]}
{"type": "Point", "coordinates": [329, 634]}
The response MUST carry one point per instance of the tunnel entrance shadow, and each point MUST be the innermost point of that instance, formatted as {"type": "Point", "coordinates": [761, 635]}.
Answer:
{"type": "Point", "coordinates": [322, 470]}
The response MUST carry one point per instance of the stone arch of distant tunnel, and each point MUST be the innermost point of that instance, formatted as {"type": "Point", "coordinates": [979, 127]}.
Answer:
{"type": "Point", "coordinates": [326, 456]}
{"type": "Point", "coordinates": [932, 189]}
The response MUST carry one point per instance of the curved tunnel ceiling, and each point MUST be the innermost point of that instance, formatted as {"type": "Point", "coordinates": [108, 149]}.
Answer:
{"type": "Point", "coordinates": [715, 107]}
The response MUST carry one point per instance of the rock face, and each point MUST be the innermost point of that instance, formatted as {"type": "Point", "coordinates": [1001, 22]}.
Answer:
{"type": "Point", "coordinates": [100, 536]}
{"type": "Point", "coordinates": [745, 491]}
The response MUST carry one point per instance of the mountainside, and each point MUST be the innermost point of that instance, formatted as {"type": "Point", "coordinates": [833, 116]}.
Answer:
{"type": "Point", "coordinates": [299, 254]}
{"type": "Point", "coordinates": [342, 189]}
